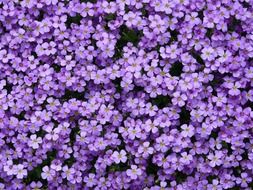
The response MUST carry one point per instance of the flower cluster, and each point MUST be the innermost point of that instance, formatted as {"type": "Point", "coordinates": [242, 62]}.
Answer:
{"type": "Point", "coordinates": [126, 94]}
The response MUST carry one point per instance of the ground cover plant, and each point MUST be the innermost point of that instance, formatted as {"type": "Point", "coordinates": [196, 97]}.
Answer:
{"type": "Point", "coordinates": [126, 94]}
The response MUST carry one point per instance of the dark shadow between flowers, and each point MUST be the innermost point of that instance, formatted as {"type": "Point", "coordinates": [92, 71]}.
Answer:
{"type": "Point", "coordinates": [161, 101]}
{"type": "Point", "coordinates": [117, 167]}
{"type": "Point", "coordinates": [151, 168]}
{"type": "Point", "coordinates": [198, 58]}
{"type": "Point", "coordinates": [127, 35]}
{"type": "Point", "coordinates": [180, 176]}
{"type": "Point", "coordinates": [76, 20]}
{"type": "Point", "coordinates": [185, 116]}
{"type": "Point", "coordinates": [35, 174]}
{"type": "Point", "coordinates": [73, 94]}
{"type": "Point", "coordinates": [176, 69]}
{"type": "Point", "coordinates": [174, 34]}
{"type": "Point", "coordinates": [116, 83]}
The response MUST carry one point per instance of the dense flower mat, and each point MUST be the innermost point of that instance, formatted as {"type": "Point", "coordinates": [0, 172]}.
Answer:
{"type": "Point", "coordinates": [126, 94]}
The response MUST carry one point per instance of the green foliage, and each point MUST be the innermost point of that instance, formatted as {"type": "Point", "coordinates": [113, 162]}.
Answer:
{"type": "Point", "coordinates": [76, 19]}
{"type": "Point", "coordinates": [118, 167]}
{"type": "Point", "coordinates": [35, 174]}
{"type": "Point", "coordinates": [110, 17]}
{"type": "Point", "coordinates": [127, 35]}
{"type": "Point", "coordinates": [161, 101]}
{"type": "Point", "coordinates": [72, 94]}
{"type": "Point", "coordinates": [180, 176]}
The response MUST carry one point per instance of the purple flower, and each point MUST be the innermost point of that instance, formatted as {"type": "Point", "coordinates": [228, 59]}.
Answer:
{"type": "Point", "coordinates": [119, 156]}
{"type": "Point", "coordinates": [20, 171]}
{"type": "Point", "coordinates": [134, 172]}
{"type": "Point", "coordinates": [208, 53]}
{"type": "Point", "coordinates": [215, 158]}
{"type": "Point", "coordinates": [47, 173]}
{"type": "Point", "coordinates": [234, 89]}
{"type": "Point", "coordinates": [145, 150]}
{"type": "Point", "coordinates": [186, 158]}
{"type": "Point", "coordinates": [187, 130]}
{"type": "Point", "coordinates": [90, 180]}
{"type": "Point", "coordinates": [34, 142]}
{"type": "Point", "coordinates": [179, 99]}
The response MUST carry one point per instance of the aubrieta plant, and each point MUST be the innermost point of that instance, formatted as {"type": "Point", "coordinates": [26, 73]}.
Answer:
{"type": "Point", "coordinates": [126, 94]}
